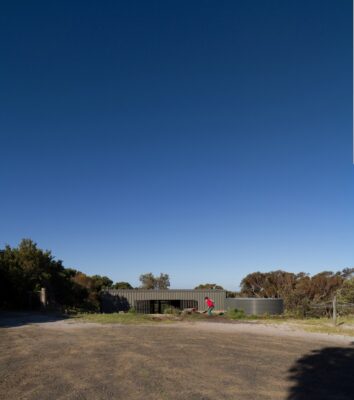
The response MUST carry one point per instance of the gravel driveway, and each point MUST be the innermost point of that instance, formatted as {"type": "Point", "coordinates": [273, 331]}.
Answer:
{"type": "Point", "coordinates": [62, 359]}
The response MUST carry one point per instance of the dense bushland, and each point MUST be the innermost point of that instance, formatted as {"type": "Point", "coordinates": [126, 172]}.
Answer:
{"type": "Point", "coordinates": [301, 291]}
{"type": "Point", "coordinates": [25, 269]}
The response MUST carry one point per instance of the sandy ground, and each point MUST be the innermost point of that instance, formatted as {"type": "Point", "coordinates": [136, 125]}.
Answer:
{"type": "Point", "coordinates": [44, 358]}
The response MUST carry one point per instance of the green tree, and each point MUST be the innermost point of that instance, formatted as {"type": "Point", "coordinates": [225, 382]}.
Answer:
{"type": "Point", "coordinates": [324, 285]}
{"type": "Point", "coordinates": [26, 269]}
{"type": "Point", "coordinates": [149, 281]}
{"type": "Point", "coordinates": [86, 294]}
{"type": "Point", "coordinates": [5, 281]}
{"type": "Point", "coordinates": [209, 286]}
{"type": "Point", "coordinates": [162, 281]}
{"type": "Point", "coordinates": [101, 282]}
{"type": "Point", "coordinates": [122, 285]}
{"type": "Point", "coordinates": [346, 293]}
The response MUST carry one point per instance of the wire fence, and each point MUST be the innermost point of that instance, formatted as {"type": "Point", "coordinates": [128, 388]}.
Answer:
{"type": "Point", "coordinates": [330, 305]}
{"type": "Point", "coordinates": [332, 309]}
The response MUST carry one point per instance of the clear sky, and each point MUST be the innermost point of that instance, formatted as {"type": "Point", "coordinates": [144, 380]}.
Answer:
{"type": "Point", "coordinates": [204, 139]}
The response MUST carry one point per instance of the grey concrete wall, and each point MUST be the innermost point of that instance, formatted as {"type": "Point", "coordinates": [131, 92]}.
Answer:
{"type": "Point", "coordinates": [122, 299]}
{"type": "Point", "coordinates": [256, 306]}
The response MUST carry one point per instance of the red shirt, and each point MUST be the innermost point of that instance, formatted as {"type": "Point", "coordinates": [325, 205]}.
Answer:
{"type": "Point", "coordinates": [209, 302]}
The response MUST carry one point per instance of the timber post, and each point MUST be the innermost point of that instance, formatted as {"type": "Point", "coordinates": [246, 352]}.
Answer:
{"type": "Point", "coordinates": [335, 310]}
{"type": "Point", "coordinates": [43, 298]}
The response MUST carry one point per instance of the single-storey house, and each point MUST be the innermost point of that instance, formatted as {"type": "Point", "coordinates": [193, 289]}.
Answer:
{"type": "Point", "coordinates": [156, 301]}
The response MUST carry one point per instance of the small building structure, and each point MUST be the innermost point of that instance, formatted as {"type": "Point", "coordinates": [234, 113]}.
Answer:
{"type": "Point", "coordinates": [155, 301]}
{"type": "Point", "coordinates": [150, 301]}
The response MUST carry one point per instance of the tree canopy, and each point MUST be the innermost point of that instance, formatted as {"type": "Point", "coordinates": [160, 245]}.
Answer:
{"type": "Point", "coordinates": [297, 290]}
{"type": "Point", "coordinates": [122, 285]}
{"type": "Point", "coordinates": [209, 286]}
{"type": "Point", "coordinates": [149, 281]}
{"type": "Point", "coordinates": [25, 269]}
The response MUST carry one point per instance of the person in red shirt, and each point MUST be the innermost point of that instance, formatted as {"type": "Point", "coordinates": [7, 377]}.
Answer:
{"type": "Point", "coordinates": [210, 304]}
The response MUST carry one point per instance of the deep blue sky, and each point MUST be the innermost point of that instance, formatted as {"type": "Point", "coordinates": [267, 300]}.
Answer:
{"type": "Point", "coordinates": [204, 139]}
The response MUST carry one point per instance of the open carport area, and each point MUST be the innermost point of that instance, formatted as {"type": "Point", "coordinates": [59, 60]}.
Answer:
{"type": "Point", "coordinates": [65, 359]}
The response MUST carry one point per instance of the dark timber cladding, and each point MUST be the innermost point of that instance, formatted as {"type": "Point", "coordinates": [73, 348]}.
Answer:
{"type": "Point", "coordinates": [154, 301]}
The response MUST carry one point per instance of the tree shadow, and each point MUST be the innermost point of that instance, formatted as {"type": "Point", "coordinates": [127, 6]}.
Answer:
{"type": "Point", "coordinates": [326, 374]}
{"type": "Point", "coordinates": [17, 319]}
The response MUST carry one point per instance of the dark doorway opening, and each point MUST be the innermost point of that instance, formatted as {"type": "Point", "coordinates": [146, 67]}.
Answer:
{"type": "Point", "coordinates": [159, 306]}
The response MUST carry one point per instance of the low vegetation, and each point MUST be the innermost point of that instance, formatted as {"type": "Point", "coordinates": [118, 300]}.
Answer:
{"type": "Point", "coordinates": [114, 318]}
{"type": "Point", "coordinates": [344, 326]}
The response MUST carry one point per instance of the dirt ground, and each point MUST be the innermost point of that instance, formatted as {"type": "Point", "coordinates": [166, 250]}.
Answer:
{"type": "Point", "coordinates": [49, 358]}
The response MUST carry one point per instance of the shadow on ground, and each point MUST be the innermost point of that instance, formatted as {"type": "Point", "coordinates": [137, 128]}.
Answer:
{"type": "Point", "coordinates": [17, 319]}
{"type": "Point", "coordinates": [325, 374]}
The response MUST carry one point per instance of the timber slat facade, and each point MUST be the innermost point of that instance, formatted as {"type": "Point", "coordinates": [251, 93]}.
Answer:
{"type": "Point", "coordinates": [153, 301]}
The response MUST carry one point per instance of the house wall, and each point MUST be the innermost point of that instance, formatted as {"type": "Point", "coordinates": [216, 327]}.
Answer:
{"type": "Point", "coordinates": [114, 300]}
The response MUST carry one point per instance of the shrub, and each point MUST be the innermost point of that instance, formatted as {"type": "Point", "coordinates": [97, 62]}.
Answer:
{"type": "Point", "coordinates": [172, 310]}
{"type": "Point", "coordinates": [236, 314]}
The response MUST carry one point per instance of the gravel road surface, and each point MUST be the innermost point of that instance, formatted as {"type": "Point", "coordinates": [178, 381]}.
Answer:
{"type": "Point", "coordinates": [43, 358]}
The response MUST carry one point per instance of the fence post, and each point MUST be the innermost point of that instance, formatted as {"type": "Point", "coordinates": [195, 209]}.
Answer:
{"type": "Point", "coordinates": [335, 310]}
{"type": "Point", "coordinates": [43, 298]}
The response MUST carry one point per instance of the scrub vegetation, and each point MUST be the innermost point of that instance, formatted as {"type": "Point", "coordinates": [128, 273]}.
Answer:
{"type": "Point", "coordinates": [344, 326]}
{"type": "Point", "coordinates": [114, 318]}
{"type": "Point", "coordinates": [25, 269]}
